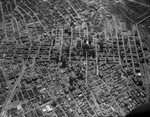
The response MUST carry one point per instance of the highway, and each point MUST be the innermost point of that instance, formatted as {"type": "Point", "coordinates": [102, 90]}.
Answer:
{"type": "Point", "coordinates": [9, 98]}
